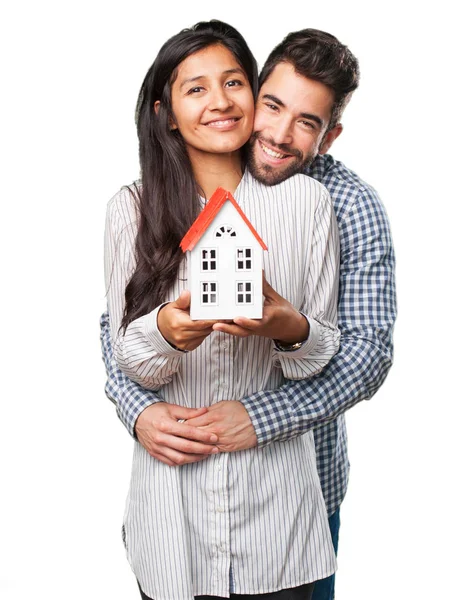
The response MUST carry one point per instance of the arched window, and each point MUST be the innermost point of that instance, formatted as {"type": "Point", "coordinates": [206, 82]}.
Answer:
{"type": "Point", "coordinates": [225, 230]}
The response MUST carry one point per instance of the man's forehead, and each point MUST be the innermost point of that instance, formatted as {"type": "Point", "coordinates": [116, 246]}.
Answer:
{"type": "Point", "coordinates": [296, 92]}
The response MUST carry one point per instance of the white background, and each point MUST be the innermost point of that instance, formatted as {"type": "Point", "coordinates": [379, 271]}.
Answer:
{"type": "Point", "coordinates": [70, 76]}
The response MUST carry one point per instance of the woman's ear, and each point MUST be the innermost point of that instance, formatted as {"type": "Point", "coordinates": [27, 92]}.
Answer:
{"type": "Point", "coordinates": [172, 123]}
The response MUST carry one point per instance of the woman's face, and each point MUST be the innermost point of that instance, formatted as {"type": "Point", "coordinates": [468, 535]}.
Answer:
{"type": "Point", "coordinates": [212, 102]}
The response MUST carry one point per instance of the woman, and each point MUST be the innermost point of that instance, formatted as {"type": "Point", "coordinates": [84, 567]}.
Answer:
{"type": "Point", "coordinates": [253, 522]}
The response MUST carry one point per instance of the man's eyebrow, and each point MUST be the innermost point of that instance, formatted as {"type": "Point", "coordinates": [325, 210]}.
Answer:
{"type": "Point", "coordinates": [312, 117]}
{"type": "Point", "coordinates": [197, 77]}
{"type": "Point", "coordinates": [309, 116]}
{"type": "Point", "coordinates": [273, 99]}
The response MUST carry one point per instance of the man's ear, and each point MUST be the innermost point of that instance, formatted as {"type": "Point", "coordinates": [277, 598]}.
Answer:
{"type": "Point", "coordinates": [329, 138]}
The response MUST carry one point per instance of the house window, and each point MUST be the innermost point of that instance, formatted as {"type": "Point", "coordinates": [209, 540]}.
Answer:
{"type": "Point", "coordinates": [243, 259]}
{"type": "Point", "coordinates": [244, 292]}
{"type": "Point", "coordinates": [225, 231]}
{"type": "Point", "coordinates": [209, 293]}
{"type": "Point", "coordinates": [209, 259]}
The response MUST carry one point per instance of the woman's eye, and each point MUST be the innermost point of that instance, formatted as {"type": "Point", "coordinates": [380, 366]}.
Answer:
{"type": "Point", "coordinates": [233, 83]}
{"type": "Point", "coordinates": [195, 90]}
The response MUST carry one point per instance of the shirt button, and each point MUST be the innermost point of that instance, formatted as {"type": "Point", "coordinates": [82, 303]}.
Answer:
{"type": "Point", "coordinates": [225, 346]}
{"type": "Point", "coordinates": [222, 548]}
{"type": "Point", "coordinates": [220, 509]}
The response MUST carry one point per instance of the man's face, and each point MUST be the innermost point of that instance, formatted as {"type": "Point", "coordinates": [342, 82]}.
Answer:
{"type": "Point", "coordinates": [291, 121]}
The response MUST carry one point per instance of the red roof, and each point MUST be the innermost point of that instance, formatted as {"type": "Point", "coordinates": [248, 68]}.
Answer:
{"type": "Point", "coordinates": [205, 218]}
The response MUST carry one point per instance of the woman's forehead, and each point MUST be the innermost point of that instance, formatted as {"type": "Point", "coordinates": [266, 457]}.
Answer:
{"type": "Point", "coordinates": [212, 61]}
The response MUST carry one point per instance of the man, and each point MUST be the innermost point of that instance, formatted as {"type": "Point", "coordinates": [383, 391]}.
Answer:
{"type": "Point", "coordinates": [304, 87]}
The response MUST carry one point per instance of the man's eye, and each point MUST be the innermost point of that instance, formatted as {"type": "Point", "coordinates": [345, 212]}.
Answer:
{"type": "Point", "coordinates": [272, 106]}
{"type": "Point", "coordinates": [308, 124]}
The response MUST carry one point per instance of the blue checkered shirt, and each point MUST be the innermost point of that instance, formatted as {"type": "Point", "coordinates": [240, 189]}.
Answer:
{"type": "Point", "coordinates": [367, 312]}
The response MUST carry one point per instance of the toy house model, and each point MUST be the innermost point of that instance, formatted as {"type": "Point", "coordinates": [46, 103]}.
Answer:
{"type": "Point", "coordinates": [225, 262]}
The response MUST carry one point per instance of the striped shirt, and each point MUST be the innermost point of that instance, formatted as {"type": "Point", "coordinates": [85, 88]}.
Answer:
{"type": "Point", "coordinates": [366, 316]}
{"type": "Point", "coordinates": [248, 522]}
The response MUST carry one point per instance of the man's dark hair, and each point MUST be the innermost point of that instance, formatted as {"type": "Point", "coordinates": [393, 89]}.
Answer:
{"type": "Point", "coordinates": [319, 56]}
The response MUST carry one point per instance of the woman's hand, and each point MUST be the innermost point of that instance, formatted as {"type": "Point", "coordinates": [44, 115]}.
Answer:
{"type": "Point", "coordinates": [175, 324]}
{"type": "Point", "coordinates": [280, 321]}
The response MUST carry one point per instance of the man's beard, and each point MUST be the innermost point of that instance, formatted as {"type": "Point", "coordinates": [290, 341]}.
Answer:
{"type": "Point", "coordinates": [268, 174]}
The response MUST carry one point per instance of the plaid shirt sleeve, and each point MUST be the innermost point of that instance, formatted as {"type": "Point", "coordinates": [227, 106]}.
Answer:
{"type": "Point", "coordinates": [129, 397]}
{"type": "Point", "coordinates": [367, 311]}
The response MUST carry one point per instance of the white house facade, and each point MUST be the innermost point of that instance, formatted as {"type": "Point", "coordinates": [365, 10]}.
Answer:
{"type": "Point", "coordinates": [225, 262]}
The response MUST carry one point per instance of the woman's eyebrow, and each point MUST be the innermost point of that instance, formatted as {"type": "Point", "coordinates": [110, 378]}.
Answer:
{"type": "Point", "coordinates": [197, 77]}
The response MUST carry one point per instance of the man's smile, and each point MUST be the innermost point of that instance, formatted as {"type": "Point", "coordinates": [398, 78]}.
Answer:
{"type": "Point", "coordinates": [267, 150]}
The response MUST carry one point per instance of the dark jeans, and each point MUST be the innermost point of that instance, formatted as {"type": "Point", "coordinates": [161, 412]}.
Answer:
{"type": "Point", "coordinates": [325, 588]}
{"type": "Point", "coordinates": [303, 592]}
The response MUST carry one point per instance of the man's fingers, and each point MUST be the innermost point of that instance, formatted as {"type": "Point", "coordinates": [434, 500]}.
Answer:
{"type": "Point", "coordinates": [162, 458]}
{"type": "Point", "coordinates": [183, 412]}
{"type": "Point", "coordinates": [191, 432]}
{"type": "Point", "coordinates": [176, 459]}
{"type": "Point", "coordinates": [201, 421]}
{"type": "Point", "coordinates": [184, 445]}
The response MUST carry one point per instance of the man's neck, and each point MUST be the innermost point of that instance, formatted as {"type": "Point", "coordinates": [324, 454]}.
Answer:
{"type": "Point", "coordinates": [217, 170]}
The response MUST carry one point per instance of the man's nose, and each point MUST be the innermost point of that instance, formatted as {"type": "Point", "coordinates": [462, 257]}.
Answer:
{"type": "Point", "coordinates": [219, 99]}
{"type": "Point", "coordinates": [282, 132]}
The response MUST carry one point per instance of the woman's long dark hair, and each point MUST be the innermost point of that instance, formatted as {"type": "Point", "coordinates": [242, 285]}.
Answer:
{"type": "Point", "coordinates": [168, 200]}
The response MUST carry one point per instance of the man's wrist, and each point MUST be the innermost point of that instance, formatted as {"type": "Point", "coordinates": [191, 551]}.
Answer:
{"type": "Point", "coordinates": [129, 412]}
{"type": "Point", "coordinates": [254, 405]}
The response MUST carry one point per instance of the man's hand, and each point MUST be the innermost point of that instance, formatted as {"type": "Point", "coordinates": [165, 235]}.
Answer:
{"type": "Point", "coordinates": [158, 429]}
{"type": "Point", "coordinates": [175, 324]}
{"type": "Point", "coordinates": [230, 421]}
{"type": "Point", "coordinates": [280, 321]}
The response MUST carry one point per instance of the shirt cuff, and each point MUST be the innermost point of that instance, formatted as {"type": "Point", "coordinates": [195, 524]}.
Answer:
{"type": "Point", "coordinates": [129, 414]}
{"type": "Point", "coordinates": [308, 345]}
{"type": "Point", "coordinates": [266, 419]}
{"type": "Point", "coordinates": [155, 338]}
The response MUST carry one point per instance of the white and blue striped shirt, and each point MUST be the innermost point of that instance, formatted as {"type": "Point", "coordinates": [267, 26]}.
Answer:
{"type": "Point", "coordinates": [366, 316]}
{"type": "Point", "coordinates": [258, 514]}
